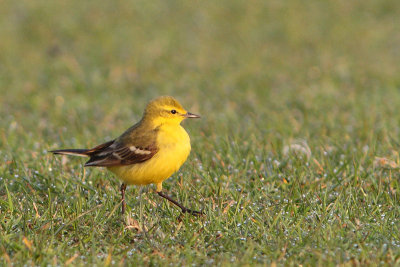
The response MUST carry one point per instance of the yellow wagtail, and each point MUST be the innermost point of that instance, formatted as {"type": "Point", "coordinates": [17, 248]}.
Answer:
{"type": "Point", "coordinates": [147, 153]}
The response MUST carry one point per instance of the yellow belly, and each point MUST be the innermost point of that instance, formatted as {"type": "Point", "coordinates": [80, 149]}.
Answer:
{"type": "Point", "coordinates": [174, 148]}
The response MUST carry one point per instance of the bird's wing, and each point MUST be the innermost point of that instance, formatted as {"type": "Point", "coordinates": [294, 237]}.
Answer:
{"type": "Point", "coordinates": [134, 146]}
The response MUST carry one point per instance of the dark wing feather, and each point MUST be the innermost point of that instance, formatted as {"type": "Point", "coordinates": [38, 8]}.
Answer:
{"type": "Point", "coordinates": [116, 155]}
{"type": "Point", "coordinates": [99, 147]}
{"type": "Point", "coordinates": [134, 146]}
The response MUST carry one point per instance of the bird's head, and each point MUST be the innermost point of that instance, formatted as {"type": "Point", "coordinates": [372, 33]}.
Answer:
{"type": "Point", "coordinates": [166, 110]}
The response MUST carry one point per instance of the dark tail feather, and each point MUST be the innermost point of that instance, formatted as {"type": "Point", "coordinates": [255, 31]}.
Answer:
{"type": "Point", "coordinates": [84, 152]}
{"type": "Point", "coordinates": [74, 152]}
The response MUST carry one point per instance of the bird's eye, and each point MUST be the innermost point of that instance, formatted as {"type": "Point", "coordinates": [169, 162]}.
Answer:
{"type": "Point", "coordinates": [173, 111]}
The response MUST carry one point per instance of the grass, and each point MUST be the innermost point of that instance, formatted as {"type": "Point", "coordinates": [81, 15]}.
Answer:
{"type": "Point", "coordinates": [295, 160]}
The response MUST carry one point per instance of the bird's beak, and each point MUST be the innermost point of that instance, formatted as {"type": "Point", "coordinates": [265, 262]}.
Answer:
{"type": "Point", "coordinates": [191, 115]}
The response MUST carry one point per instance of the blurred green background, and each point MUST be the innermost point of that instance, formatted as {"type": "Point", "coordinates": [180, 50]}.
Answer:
{"type": "Point", "coordinates": [263, 74]}
{"type": "Point", "coordinates": [252, 62]}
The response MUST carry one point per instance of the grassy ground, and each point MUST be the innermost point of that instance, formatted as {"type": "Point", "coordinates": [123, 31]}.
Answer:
{"type": "Point", "coordinates": [295, 160]}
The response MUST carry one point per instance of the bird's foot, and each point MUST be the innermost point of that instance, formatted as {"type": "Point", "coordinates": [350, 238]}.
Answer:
{"type": "Point", "coordinates": [193, 212]}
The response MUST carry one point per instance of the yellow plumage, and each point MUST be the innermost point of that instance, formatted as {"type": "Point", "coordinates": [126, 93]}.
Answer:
{"type": "Point", "coordinates": [174, 148]}
{"type": "Point", "coordinates": [147, 153]}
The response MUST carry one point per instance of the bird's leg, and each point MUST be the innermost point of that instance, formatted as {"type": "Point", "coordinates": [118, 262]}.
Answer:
{"type": "Point", "coordinates": [123, 188]}
{"type": "Point", "coordinates": [184, 209]}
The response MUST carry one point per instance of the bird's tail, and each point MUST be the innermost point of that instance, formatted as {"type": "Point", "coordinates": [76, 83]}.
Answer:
{"type": "Point", "coordinates": [84, 152]}
{"type": "Point", "coordinates": [73, 152]}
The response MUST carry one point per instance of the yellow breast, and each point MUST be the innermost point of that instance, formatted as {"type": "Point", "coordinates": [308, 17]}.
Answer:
{"type": "Point", "coordinates": [174, 148]}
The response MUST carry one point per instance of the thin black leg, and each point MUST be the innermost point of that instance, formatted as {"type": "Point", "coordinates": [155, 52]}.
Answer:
{"type": "Point", "coordinates": [184, 209]}
{"type": "Point", "coordinates": [123, 188]}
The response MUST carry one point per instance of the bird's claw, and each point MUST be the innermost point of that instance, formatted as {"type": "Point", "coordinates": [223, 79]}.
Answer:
{"type": "Point", "coordinates": [193, 212]}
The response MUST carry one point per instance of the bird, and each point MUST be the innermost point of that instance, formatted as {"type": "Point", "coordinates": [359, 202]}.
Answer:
{"type": "Point", "coordinates": [149, 152]}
